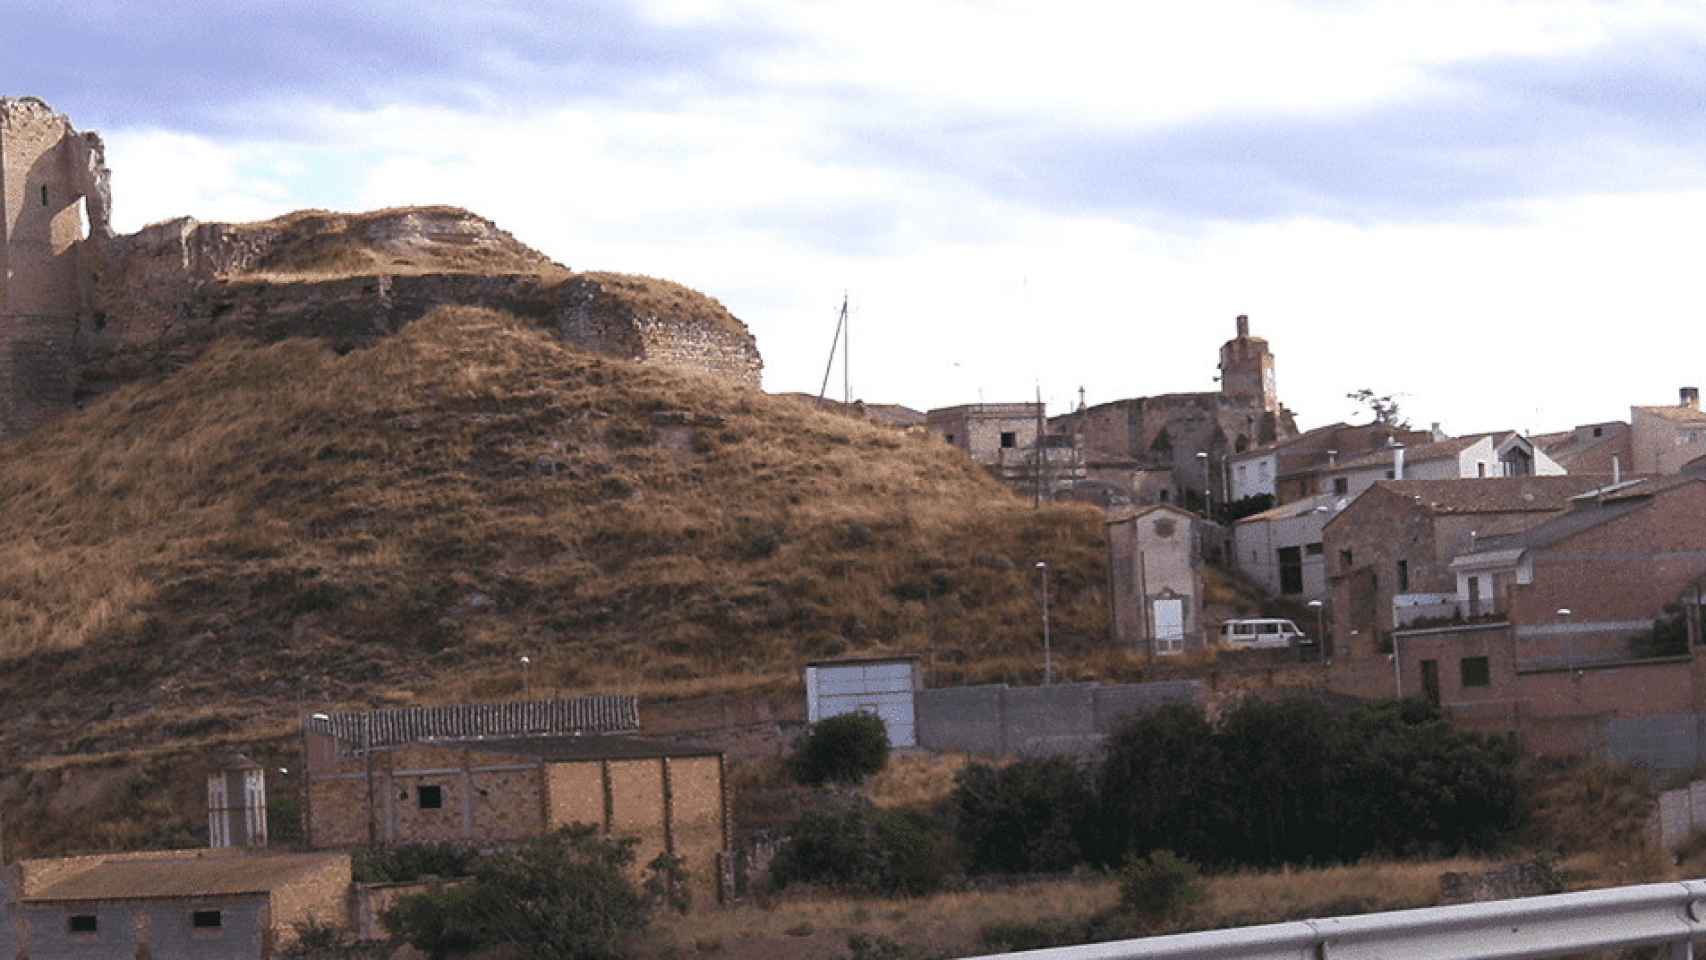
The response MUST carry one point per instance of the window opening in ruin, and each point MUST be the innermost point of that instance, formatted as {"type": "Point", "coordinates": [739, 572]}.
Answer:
{"type": "Point", "coordinates": [949, 438]}
{"type": "Point", "coordinates": [82, 923]}
{"type": "Point", "coordinates": [430, 798]}
{"type": "Point", "coordinates": [207, 919]}
{"type": "Point", "coordinates": [83, 219]}
{"type": "Point", "coordinates": [1404, 576]}
{"type": "Point", "coordinates": [44, 194]}
{"type": "Point", "coordinates": [1598, 431]}
{"type": "Point", "coordinates": [1166, 495]}
{"type": "Point", "coordinates": [1475, 671]}
{"type": "Point", "coordinates": [1009, 440]}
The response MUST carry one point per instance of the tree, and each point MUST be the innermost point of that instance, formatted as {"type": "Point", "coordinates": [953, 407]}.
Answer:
{"type": "Point", "coordinates": [1384, 408]}
{"type": "Point", "coordinates": [846, 748]}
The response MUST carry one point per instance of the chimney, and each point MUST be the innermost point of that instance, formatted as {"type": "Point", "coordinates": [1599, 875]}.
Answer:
{"type": "Point", "coordinates": [1398, 462]}
{"type": "Point", "coordinates": [1243, 326]}
{"type": "Point", "coordinates": [1616, 471]}
{"type": "Point", "coordinates": [1691, 398]}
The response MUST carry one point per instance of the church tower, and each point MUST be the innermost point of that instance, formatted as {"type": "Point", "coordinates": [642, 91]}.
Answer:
{"type": "Point", "coordinates": [1247, 368]}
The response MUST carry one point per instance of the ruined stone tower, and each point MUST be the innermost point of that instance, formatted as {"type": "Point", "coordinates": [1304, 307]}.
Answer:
{"type": "Point", "coordinates": [53, 181]}
{"type": "Point", "coordinates": [1247, 368]}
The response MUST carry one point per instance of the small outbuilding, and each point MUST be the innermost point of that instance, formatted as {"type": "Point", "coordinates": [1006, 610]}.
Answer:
{"type": "Point", "coordinates": [883, 686]}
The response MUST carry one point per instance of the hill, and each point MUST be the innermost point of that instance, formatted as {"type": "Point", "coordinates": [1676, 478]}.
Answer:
{"type": "Point", "coordinates": [191, 561]}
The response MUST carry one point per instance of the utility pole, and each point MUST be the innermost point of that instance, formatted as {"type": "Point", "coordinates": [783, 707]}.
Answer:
{"type": "Point", "coordinates": [834, 342]}
{"type": "Point", "coordinates": [846, 353]}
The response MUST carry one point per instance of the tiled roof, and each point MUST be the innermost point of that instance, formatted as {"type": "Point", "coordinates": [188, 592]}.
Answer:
{"type": "Point", "coordinates": [1427, 451]}
{"type": "Point", "coordinates": [1334, 502]}
{"type": "Point", "coordinates": [586, 748]}
{"type": "Point", "coordinates": [1128, 515]}
{"type": "Point", "coordinates": [191, 874]}
{"type": "Point", "coordinates": [1492, 494]}
{"type": "Point", "coordinates": [1676, 414]}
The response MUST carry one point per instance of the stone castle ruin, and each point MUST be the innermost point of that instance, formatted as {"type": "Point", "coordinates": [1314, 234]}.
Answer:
{"type": "Point", "coordinates": [83, 311]}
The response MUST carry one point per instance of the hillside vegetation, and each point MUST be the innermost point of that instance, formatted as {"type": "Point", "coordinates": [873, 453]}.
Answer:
{"type": "Point", "coordinates": [194, 560]}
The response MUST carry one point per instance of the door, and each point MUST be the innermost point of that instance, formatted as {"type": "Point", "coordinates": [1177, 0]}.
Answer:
{"type": "Point", "coordinates": [1169, 625]}
{"type": "Point", "coordinates": [1430, 681]}
{"type": "Point", "coordinates": [1291, 569]}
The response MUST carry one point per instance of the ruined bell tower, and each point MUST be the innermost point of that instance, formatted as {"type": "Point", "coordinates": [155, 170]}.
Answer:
{"type": "Point", "coordinates": [53, 181]}
{"type": "Point", "coordinates": [1247, 369]}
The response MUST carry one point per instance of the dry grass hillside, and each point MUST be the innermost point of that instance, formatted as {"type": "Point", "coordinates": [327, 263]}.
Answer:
{"type": "Point", "coordinates": [193, 560]}
{"type": "Point", "coordinates": [322, 244]}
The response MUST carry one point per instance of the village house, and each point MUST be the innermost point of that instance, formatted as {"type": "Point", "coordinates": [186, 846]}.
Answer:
{"type": "Point", "coordinates": [1601, 449]}
{"type": "Point", "coordinates": [1665, 439]}
{"type": "Point", "coordinates": [1155, 559]}
{"type": "Point", "coordinates": [1291, 469]}
{"type": "Point", "coordinates": [1584, 629]}
{"type": "Point", "coordinates": [1282, 550]}
{"type": "Point", "coordinates": [225, 904]}
{"type": "Point", "coordinates": [1389, 552]}
{"type": "Point", "coordinates": [1477, 456]}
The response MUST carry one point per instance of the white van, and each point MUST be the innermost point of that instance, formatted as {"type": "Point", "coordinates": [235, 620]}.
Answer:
{"type": "Point", "coordinates": [1261, 633]}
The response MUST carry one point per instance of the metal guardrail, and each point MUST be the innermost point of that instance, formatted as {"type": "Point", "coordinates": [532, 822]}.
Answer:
{"type": "Point", "coordinates": [1656, 914]}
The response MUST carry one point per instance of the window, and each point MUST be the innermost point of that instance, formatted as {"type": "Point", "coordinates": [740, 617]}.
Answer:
{"type": "Point", "coordinates": [430, 798]}
{"type": "Point", "coordinates": [1480, 468]}
{"type": "Point", "coordinates": [1390, 475]}
{"type": "Point", "coordinates": [948, 437]}
{"type": "Point", "coordinates": [1009, 439]}
{"type": "Point", "coordinates": [44, 194]}
{"type": "Point", "coordinates": [82, 923]}
{"type": "Point", "coordinates": [1475, 672]}
{"type": "Point", "coordinates": [1403, 576]}
{"type": "Point", "coordinates": [1341, 485]}
{"type": "Point", "coordinates": [1345, 560]}
{"type": "Point", "coordinates": [1599, 431]}
{"type": "Point", "coordinates": [1312, 549]}
{"type": "Point", "coordinates": [1165, 494]}
{"type": "Point", "coordinates": [207, 919]}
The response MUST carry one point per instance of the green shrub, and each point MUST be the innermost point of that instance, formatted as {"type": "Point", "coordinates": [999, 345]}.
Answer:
{"type": "Point", "coordinates": [854, 847]}
{"type": "Point", "coordinates": [847, 748]}
{"type": "Point", "coordinates": [565, 894]}
{"type": "Point", "coordinates": [1159, 886]}
{"type": "Point", "coordinates": [408, 862]}
{"type": "Point", "coordinates": [1034, 816]}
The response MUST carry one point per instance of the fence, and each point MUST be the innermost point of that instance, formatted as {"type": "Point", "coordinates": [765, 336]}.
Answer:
{"type": "Point", "coordinates": [1652, 915]}
{"type": "Point", "coordinates": [1037, 721]}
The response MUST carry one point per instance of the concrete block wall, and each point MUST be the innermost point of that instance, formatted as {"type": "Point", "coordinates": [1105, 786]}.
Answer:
{"type": "Point", "coordinates": [1070, 718]}
{"type": "Point", "coordinates": [158, 928]}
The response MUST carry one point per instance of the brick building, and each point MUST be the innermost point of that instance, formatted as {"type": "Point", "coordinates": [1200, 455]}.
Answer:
{"type": "Point", "coordinates": [1477, 456]}
{"type": "Point", "coordinates": [1665, 439]}
{"type": "Point", "coordinates": [1155, 559]}
{"type": "Point", "coordinates": [1282, 549]}
{"type": "Point", "coordinates": [501, 789]}
{"type": "Point", "coordinates": [1601, 449]}
{"type": "Point", "coordinates": [1291, 470]}
{"type": "Point", "coordinates": [191, 904]}
{"type": "Point", "coordinates": [1628, 563]}
{"type": "Point", "coordinates": [992, 434]}
{"type": "Point", "coordinates": [1389, 552]}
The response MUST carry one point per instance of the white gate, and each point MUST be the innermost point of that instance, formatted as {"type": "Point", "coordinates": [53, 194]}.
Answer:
{"type": "Point", "coordinates": [1169, 625]}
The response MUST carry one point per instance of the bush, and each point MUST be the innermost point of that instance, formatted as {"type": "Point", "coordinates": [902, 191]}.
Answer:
{"type": "Point", "coordinates": [565, 894]}
{"type": "Point", "coordinates": [1034, 816]}
{"type": "Point", "coordinates": [409, 862]}
{"type": "Point", "coordinates": [854, 847]}
{"type": "Point", "coordinates": [847, 748]}
{"type": "Point", "coordinates": [1301, 780]}
{"type": "Point", "coordinates": [1160, 886]}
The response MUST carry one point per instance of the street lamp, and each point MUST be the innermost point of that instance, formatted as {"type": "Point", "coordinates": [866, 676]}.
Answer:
{"type": "Point", "coordinates": [1320, 626]}
{"type": "Point", "coordinates": [1048, 655]}
{"type": "Point", "coordinates": [526, 677]}
{"type": "Point", "coordinates": [1207, 494]}
{"type": "Point", "coordinates": [1569, 638]}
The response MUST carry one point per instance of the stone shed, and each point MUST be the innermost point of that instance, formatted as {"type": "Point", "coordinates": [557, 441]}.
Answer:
{"type": "Point", "coordinates": [183, 904]}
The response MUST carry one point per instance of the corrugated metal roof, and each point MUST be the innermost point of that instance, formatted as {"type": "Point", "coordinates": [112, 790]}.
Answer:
{"type": "Point", "coordinates": [203, 875]}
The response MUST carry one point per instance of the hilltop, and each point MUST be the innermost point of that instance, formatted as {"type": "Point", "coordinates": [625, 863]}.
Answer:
{"type": "Point", "coordinates": [190, 560]}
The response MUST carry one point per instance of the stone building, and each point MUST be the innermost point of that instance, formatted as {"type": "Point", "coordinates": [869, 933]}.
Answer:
{"type": "Point", "coordinates": [1665, 439]}
{"type": "Point", "coordinates": [1600, 449]}
{"type": "Point", "coordinates": [1155, 559]}
{"type": "Point", "coordinates": [1292, 469]}
{"type": "Point", "coordinates": [53, 193]}
{"type": "Point", "coordinates": [185, 904]}
{"type": "Point", "coordinates": [1477, 456]}
{"type": "Point", "coordinates": [1281, 549]}
{"type": "Point", "coordinates": [1168, 432]}
{"type": "Point", "coordinates": [501, 789]}
{"type": "Point", "coordinates": [991, 434]}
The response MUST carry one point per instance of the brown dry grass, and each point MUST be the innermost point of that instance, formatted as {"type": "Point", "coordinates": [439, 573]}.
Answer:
{"type": "Point", "coordinates": [279, 525]}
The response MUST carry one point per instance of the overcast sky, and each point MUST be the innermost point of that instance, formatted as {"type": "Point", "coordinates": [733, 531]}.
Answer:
{"type": "Point", "coordinates": [1491, 209]}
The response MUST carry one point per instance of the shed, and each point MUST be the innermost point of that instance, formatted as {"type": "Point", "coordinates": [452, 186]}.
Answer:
{"type": "Point", "coordinates": [884, 686]}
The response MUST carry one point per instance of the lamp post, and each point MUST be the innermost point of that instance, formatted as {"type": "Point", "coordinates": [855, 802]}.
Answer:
{"type": "Point", "coordinates": [1207, 493]}
{"type": "Point", "coordinates": [1320, 627]}
{"type": "Point", "coordinates": [526, 676]}
{"type": "Point", "coordinates": [1048, 655]}
{"type": "Point", "coordinates": [1569, 638]}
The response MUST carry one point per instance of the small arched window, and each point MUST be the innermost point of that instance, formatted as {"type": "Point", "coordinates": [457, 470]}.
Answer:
{"type": "Point", "coordinates": [44, 194]}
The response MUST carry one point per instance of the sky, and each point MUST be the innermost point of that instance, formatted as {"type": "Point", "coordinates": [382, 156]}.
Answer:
{"type": "Point", "coordinates": [1490, 210]}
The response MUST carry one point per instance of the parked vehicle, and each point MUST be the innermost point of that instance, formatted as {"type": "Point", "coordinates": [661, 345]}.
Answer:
{"type": "Point", "coordinates": [1261, 633]}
